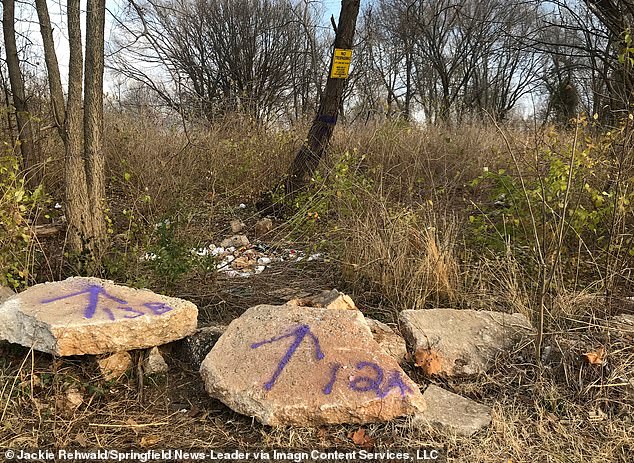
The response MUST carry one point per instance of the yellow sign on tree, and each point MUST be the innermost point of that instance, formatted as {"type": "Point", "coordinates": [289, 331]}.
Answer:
{"type": "Point", "coordinates": [341, 63]}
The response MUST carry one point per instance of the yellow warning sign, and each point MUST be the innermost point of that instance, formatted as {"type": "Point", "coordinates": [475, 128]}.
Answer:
{"type": "Point", "coordinates": [341, 63]}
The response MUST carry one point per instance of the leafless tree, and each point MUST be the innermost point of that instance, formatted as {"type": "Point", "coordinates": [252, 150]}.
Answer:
{"type": "Point", "coordinates": [252, 56]}
{"type": "Point", "coordinates": [81, 132]}
{"type": "Point", "coordinates": [18, 93]}
{"type": "Point", "coordinates": [312, 151]}
{"type": "Point", "coordinates": [449, 59]}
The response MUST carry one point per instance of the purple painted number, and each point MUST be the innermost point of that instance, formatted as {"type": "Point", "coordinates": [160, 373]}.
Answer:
{"type": "Point", "coordinates": [366, 383]}
{"type": "Point", "coordinates": [94, 291]}
{"type": "Point", "coordinates": [159, 308]}
{"type": "Point", "coordinates": [299, 334]}
{"type": "Point", "coordinates": [334, 369]}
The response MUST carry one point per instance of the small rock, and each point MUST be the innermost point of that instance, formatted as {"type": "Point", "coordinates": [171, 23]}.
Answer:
{"type": "Point", "coordinates": [264, 261]}
{"type": "Point", "coordinates": [263, 226]}
{"type": "Point", "coordinates": [67, 404]}
{"type": "Point", "coordinates": [194, 348]}
{"type": "Point", "coordinates": [453, 413]}
{"type": "Point", "coordinates": [332, 299]}
{"type": "Point", "coordinates": [236, 226]}
{"type": "Point", "coordinates": [5, 293]}
{"type": "Point", "coordinates": [460, 342]}
{"type": "Point", "coordinates": [74, 398]}
{"type": "Point", "coordinates": [391, 342]}
{"type": "Point", "coordinates": [237, 241]}
{"type": "Point", "coordinates": [91, 316]}
{"type": "Point", "coordinates": [307, 366]}
{"type": "Point", "coordinates": [115, 366]}
{"type": "Point", "coordinates": [154, 363]}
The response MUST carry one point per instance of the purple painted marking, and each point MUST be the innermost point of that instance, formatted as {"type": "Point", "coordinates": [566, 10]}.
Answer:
{"type": "Point", "coordinates": [159, 308]}
{"type": "Point", "coordinates": [334, 369]}
{"type": "Point", "coordinates": [137, 313]}
{"type": "Point", "coordinates": [395, 381]}
{"type": "Point", "coordinates": [366, 383]}
{"type": "Point", "coordinates": [110, 314]}
{"type": "Point", "coordinates": [299, 333]}
{"type": "Point", "coordinates": [93, 292]}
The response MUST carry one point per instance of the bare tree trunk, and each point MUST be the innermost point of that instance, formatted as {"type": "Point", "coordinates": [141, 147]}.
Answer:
{"type": "Point", "coordinates": [93, 120]}
{"type": "Point", "coordinates": [25, 135]}
{"type": "Point", "coordinates": [77, 198]}
{"type": "Point", "coordinates": [52, 67]}
{"type": "Point", "coordinates": [82, 136]}
{"type": "Point", "coordinates": [8, 130]}
{"type": "Point", "coordinates": [313, 150]}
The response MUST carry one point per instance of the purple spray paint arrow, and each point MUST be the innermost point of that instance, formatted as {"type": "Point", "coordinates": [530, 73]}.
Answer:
{"type": "Point", "coordinates": [299, 333]}
{"type": "Point", "coordinates": [93, 292]}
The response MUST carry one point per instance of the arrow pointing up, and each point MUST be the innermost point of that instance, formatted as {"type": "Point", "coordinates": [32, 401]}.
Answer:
{"type": "Point", "coordinates": [93, 292]}
{"type": "Point", "coordinates": [299, 334]}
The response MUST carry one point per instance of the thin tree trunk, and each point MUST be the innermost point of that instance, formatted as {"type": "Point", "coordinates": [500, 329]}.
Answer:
{"type": "Point", "coordinates": [5, 90]}
{"type": "Point", "coordinates": [77, 197]}
{"type": "Point", "coordinates": [93, 119]}
{"type": "Point", "coordinates": [25, 133]}
{"type": "Point", "coordinates": [313, 150]}
{"type": "Point", "coordinates": [52, 67]}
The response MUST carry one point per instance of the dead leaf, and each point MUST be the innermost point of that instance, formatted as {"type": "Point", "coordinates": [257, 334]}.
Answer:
{"type": "Point", "coordinates": [150, 440]}
{"type": "Point", "coordinates": [360, 438]}
{"type": "Point", "coordinates": [596, 357]}
{"type": "Point", "coordinates": [428, 360]}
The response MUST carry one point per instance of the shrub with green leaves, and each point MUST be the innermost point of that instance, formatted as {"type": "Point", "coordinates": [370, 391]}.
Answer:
{"type": "Point", "coordinates": [16, 204]}
{"type": "Point", "coordinates": [567, 197]}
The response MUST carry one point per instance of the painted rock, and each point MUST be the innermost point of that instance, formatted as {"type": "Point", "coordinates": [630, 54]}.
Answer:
{"type": "Point", "coordinates": [460, 342]}
{"type": "Point", "coordinates": [92, 316]}
{"type": "Point", "coordinates": [307, 366]}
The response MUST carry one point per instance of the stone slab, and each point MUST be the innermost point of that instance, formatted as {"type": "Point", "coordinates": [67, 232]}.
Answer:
{"type": "Point", "coordinates": [389, 340]}
{"type": "Point", "coordinates": [91, 316]}
{"type": "Point", "coordinates": [307, 366]}
{"type": "Point", "coordinates": [5, 293]}
{"type": "Point", "coordinates": [453, 413]}
{"type": "Point", "coordinates": [194, 348]}
{"type": "Point", "coordinates": [460, 342]}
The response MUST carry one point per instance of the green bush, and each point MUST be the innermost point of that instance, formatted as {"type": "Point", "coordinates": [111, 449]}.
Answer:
{"type": "Point", "coordinates": [17, 203]}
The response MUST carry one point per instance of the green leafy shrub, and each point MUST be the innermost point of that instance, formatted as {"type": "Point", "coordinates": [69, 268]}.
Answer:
{"type": "Point", "coordinates": [17, 203]}
{"type": "Point", "coordinates": [566, 198]}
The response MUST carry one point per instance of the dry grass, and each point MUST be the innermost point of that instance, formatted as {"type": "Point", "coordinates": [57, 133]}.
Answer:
{"type": "Point", "coordinates": [405, 254]}
{"type": "Point", "coordinates": [565, 410]}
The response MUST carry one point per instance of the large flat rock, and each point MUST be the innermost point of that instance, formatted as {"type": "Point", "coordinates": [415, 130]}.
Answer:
{"type": "Point", "coordinates": [307, 366]}
{"type": "Point", "coordinates": [453, 413]}
{"type": "Point", "coordinates": [460, 342]}
{"type": "Point", "coordinates": [92, 316]}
